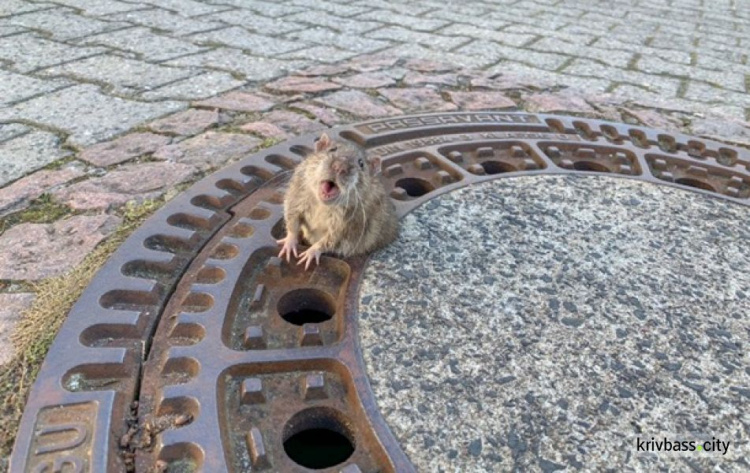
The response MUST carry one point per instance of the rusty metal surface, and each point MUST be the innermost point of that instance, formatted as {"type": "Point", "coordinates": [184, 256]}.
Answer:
{"type": "Point", "coordinates": [189, 351]}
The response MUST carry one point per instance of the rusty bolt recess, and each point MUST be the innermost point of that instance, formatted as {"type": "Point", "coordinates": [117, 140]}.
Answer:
{"type": "Point", "coordinates": [196, 348]}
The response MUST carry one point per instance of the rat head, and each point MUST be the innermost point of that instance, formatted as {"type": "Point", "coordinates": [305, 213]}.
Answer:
{"type": "Point", "coordinates": [342, 172]}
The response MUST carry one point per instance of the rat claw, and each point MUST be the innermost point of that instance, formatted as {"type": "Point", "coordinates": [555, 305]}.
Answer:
{"type": "Point", "coordinates": [289, 247]}
{"type": "Point", "coordinates": [308, 256]}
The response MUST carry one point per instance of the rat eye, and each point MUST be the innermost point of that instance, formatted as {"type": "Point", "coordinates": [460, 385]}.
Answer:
{"type": "Point", "coordinates": [334, 148]}
{"type": "Point", "coordinates": [361, 163]}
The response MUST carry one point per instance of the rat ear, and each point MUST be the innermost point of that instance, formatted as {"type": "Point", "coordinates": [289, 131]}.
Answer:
{"type": "Point", "coordinates": [324, 142]}
{"type": "Point", "coordinates": [374, 165]}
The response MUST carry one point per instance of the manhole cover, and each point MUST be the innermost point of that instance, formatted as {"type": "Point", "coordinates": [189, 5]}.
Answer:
{"type": "Point", "coordinates": [195, 348]}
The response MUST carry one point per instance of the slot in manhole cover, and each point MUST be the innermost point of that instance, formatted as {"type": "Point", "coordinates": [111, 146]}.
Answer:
{"type": "Point", "coordinates": [241, 362]}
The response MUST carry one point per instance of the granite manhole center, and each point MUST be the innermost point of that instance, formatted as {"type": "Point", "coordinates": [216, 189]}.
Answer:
{"type": "Point", "coordinates": [533, 322]}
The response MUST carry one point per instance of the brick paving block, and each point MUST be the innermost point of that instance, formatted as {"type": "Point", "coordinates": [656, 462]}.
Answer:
{"type": "Point", "coordinates": [416, 78]}
{"type": "Point", "coordinates": [653, 119]}
{"type": "Point", "coordinates": [729, 79]}
{"type": "Point", "coordinates": [197, 87]}
{"type": "Point", "coordinates": [335, 8]}
{"type": "Point", "coordinates": [700, 92]}
{"type": "Point", "coordinates": [432, 55]}
{"type": "Point", "coordinates": [256, 69]}
{"type": "Point", "coordinates": [325, 54]}
{"type": "Point", "coordinates": [431, 40]}
{"type": "Point", "coordinates": [325, 115]}
{"type": "Point", "coordinates": [257, 44]}
{"type": "Point", "coordinates": [732, 129]}
{"type": "Point", "coordinates": [296, 84]}
{"type": "Point", "coordinates": [367, 80]}
{"type": "Point", "coordinates": [17, 195]}
{"type": "Point", "coordinates": [323, 70]}
{"type": "Point", "coordinates": [358, 104]}
{"type": "Point", "coordinates": [209, 150]}
{"type": "Point", "coordinates": [123, 149]}
{"type": "Point", "coordinates": [14, 7]}
{"type": "Point", "coordinates": [17, 87]}
{"type": "Point", "coordinates": [250, 20]}
{"type": "Point", "coordinates": [655, 83]}
{"type": "Point", "coordinates": [33, 251]}
{"type": "Point", "coordinates": [343, 25]}
{"type": "Point", "coordinates": [165, 20]}
{"type": "Point", "coordinates": [327, 37]}
{"type": "Point", "coordinates": [11, 130]}
{"type": "Point", "coordinates": [504, 37]}
{"type": "Point", "coordinates": [481, 100]}
{"type": "Point", "coordinates": [267, 8]}
{"type": "Point", "coordinates": [608, 56]}
{"type": "Point", "coordinates": [406, 21]}
{"type": "Point", "coordinates": [136, 182]}
{"type": "Point", "coordinates": [237, 101]}
{"type": "Point", "coordinates": [62, 24]}
{"type": "Point", "coordinates": [372, 62]}
{"type": "Point", "coordinates": [151, 46]}
{"type": "Point", "coordinates": [26, 153]}
{"type": "Point", "coordinates": [187, 7]}
{"type": "Point", "coordinates": [264, 130]}
{"type": "Point", "coordinates": [556, 103]}
{"type": "Point", "coordinates": [417, 100]}
{"type": "Point", "coordinates": [292, 123]}
{"type": "Point", "coordinates": [493, 52]}
{"type": "Point", "coordinates": [120, 72]}
{"type": "Point", "coordinates": [28, 52]}
{"type": "Point", "coordinates": [88, 115]}
{"type": "Point", "coordinates": [187, 123]}
{"type": "Point", "coordinates": [12, 305]}
{"type": "Point", "coordinates": [100, 7]}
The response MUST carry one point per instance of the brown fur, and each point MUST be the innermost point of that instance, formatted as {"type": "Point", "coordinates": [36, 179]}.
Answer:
{"type": "Point", "coordinates": [360, 220]}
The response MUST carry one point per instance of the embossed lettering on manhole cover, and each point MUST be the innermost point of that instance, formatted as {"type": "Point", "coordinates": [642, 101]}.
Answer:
{"type": "Point", "coordinates": [196, 348]}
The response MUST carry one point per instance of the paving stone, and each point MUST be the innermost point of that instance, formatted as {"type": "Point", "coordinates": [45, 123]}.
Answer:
{"type": "Point", "coordinates": [12, 305]}
{"type": "Point", "coordinates": [729, 79]}
{"type": "Point", "coordinates": [149, 45]}
{"type": "Point", "coordinates": [14, 7]}
{"type": "Point", "coordinates": [296, 84]}
{"type": "Point", "coordinates": [61, 24]}
{"type": "Point", "coordinates": [250, 20]}
{"type": "Point", "coordinates": [16, 87]}
{"type": "Point", "coordinates": [417, 100]}
{"type": "Point", "coordinates": [187, 7]}
{"type": "Point", "coordinates": [342, 25]}
{"type": "Point", "coordinates": [11, 130]}
{"type": "Point", "coordinates": [187, 123]}
{"type": "Point", "coordinates": [265, 130]}
{"type": "Point", "coordinates": [556, 103]}
{"type": "Point", "coordinates": [657, 84]}
{"type": "Point", "coordinates": [608, 56]}
{"type": "Point", "coordinates": [122, 149]}
{"type": "Point", "coordinates": [470, 60]}
{"type": "Point", "coordinates": [653, 119]}
{"type": "Point", "coordinates": [423, 65]}
{"type": "Point", "coordinates": [407, 21]}
{"type": "Point", "coordinates": [736, 131]}
{"type": "Point", "coordinates": [17, 195]}
{"type": "Point", "coordinates": [325, 54]}
{"type": "Point", "coordinates": [494, 52]}
{"type": "Point", "coordinates": [26, 153]}
{"type": "Point", "coordinates": [339, 10]}
{"type": "Point", "coordinates": [136, 183]}
{"type": "Point", "coordinates": [373, 62]}
{"type": "Point", "coordinates": [329, 37]}
{"type": "Point", "coordinates": [169, 21]}
{"type": "Point", "coordinates": [238, 101]}
{"type": "Point", "coordinates": [504, 37]}
{"type": "Point", "coordinates": [254, 68]}
{"type": "Point", "coordinates": [88, 115]}
{"type": "Point", "coordinates": [119, 72]}
{"type": "Point", "coordinates": [292, 123]}
{"type": "Point", "coordinates": [434, 41]}
{"type": "Point", "coordinates": [194, 88]}
{"type": "Point", "coordinates": [264, 8]}
{"type": "Point", "coordinates": [257, 44]}
{"type": "Point", "coordinates": [416, 78]}
{"type": "Point", "coordinates": [327, 116]}
{"type": "Point", "coordinates": [209, 150]}
{"type": "Point", "coordinates": [100, 7]}
{"type": "Point", "coordinates": [33, 251]}
{"type": "Point", "coordinates": [28, 52]}
{"type": "Point", "coordinates": [481, 100]}
{"type": "Point", "coordinates": [367, 80]}
{"type": "Point", "coordinates": [358, 104]}
{"type": "Point", "coordinates": [323, 70]}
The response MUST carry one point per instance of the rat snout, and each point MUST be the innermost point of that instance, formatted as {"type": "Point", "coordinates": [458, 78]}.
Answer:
{"type": "Point", "coordinates": [340, 167]}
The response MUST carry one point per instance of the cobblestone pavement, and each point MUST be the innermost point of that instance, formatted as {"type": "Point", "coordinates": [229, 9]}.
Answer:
{"type": "Point", "coordinates": [106, 102]}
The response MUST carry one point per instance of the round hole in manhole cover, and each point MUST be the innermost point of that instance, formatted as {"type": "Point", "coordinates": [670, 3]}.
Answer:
{"type": "Point", "coordinates": [179, 353]}
{"type": "Point", "coordinates": [317, 438]}
{"type": "Point", "coordinates": [306, 306]}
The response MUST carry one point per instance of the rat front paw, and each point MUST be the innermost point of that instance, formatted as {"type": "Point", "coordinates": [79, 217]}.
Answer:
{"type": "Point", "coordinates": [289, 247]}
{"type": "Point", "coordinates": [307, 256]}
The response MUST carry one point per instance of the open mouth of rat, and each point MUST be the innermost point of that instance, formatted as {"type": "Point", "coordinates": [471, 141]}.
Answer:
{"type": "Point", "coordinates": [329, 191]}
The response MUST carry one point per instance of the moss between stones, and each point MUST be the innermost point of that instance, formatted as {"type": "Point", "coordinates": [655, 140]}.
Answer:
{"type": "Point", "coordinates": [40, 323]}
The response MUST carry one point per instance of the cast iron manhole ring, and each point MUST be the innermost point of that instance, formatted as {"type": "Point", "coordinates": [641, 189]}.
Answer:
{"type": "Point", "coordinates": [196, 319]}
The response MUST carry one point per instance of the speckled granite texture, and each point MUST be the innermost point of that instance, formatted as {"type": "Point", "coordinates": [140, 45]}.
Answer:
{"type": "Point", "coordinates": [542, 324]}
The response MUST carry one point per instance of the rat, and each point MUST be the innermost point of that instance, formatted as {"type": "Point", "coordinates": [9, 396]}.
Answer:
{"type": "Point", "coordinates": [336, 203]}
